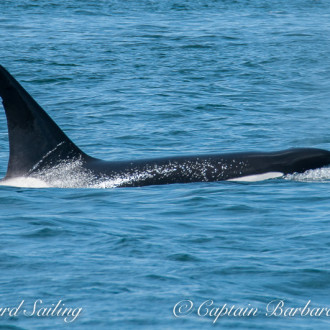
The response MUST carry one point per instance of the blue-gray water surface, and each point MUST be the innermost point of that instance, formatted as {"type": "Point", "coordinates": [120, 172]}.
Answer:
{"type": "Point", "coordinates": [141, 79]}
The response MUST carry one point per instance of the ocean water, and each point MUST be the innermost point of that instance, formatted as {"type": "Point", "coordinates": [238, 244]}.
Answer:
{"type": "Point", "coordinates": [141, 79]}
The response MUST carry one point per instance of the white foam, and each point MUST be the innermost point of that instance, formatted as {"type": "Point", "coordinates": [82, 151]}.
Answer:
{"type": "Point", "coordinates": [25, 182]}
{"type": "Point", "coordinates": [258, 177]}
{"type": "Point", "coordinates": [67, 174]}
{"type": "Point", "coordinates": [317, 175]}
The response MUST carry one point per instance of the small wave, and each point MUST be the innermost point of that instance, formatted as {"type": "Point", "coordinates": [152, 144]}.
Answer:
{"type": "Point", "coordinates": [184, 257]}
{"type": "Point", "coordinates": [45, 232]}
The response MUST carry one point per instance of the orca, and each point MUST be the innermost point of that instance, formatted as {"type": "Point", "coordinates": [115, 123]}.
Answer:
{"type": "Point", "coordinates": [38, 146]}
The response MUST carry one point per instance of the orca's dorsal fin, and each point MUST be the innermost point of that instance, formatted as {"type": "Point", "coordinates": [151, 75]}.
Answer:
{"type": "Point", "coordinates": [34, 138]}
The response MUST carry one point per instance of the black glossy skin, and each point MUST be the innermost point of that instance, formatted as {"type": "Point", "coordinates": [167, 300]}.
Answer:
{"type": "Point", "coordinates": [36, 142]}
{"type": "Point", "coordinates": [187, 169]}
